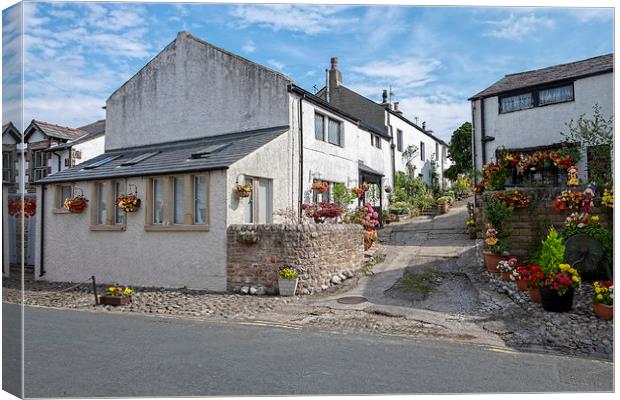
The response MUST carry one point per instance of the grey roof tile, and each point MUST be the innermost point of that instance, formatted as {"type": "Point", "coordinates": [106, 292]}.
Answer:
{"type": "Point", "coordinates": [556, 73]}
{"type": "Point", "coordinates": [173, 157]}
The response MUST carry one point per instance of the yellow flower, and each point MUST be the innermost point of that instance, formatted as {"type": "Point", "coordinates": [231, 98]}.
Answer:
{"type": "Point", "coordinates": [575, 278]}
{"type": "Point", "coordinates": [491, 241]}
{"type": "Point", "coordinates": [599, 297]}
{"type": "Point", "coordinates": [573, 271]}
{"type": "Point", "coordinates": [128, 291]}
{"type": "Point", "coordinates": [596, 218]}
{"type": "Point", "coordinates": [564, 267]}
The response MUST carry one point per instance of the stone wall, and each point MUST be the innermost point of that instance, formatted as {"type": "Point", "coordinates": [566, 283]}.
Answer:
{"type": "Point", "coordinates": [319, 252]}
{"type": "Point", "coordinates": [530, 225]}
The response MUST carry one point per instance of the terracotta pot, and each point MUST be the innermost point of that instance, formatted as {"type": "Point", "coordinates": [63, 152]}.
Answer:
{"type": "Point", "coordinates": [521, 286]}
{"type": "Point", "coordinates": [603, 311]}
{"type": "Point", "coordinates": [491, 260]}
{"type": "Point", "coordinates": [534, 294]}
{"type": "Point", "coordinates": [507, 276]}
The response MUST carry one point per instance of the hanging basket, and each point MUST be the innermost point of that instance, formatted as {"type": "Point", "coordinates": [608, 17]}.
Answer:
{"type": "Point", "coordinates": [320, 186]}
{"type": "Point", "coordinates": [15, 208]}
{"type": "Point", "coordinates": [244, 190]}
{"type": "Point", "coordinates": [76, 204]}
{"type": "Point", "coordinates": [128, 202]}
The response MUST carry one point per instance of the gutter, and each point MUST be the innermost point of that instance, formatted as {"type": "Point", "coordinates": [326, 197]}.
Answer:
{"type": "Point", "coordinates": [42, 246]}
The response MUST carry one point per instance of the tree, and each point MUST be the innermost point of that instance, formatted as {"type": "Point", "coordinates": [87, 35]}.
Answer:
{"type": "Point", "coordinates": [408, 156]}
{"type": "Point", "coordinates": [596, 136]}
{"type": "Point", "coordinates": [459, 151]}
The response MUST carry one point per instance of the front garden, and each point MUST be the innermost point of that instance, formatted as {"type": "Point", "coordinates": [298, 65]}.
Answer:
{"type": "Point", "coordinates": [550, 235]}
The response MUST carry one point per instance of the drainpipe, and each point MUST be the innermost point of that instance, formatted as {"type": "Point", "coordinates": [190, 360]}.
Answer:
{"type": "Point", "coordinates": [301, 155]}
{"type": "Point", "coordinates": [482, 133]}
{"type": "Point", "coordinates": [473, 137]}
{"type": "Point", "coordinates": [42, 241]}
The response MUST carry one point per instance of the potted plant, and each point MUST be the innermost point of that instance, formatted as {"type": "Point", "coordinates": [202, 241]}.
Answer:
{"type": "Point", "coordinates": [534, 278]}
{"type": "Point", "coordinates": [361, 190]}
{"type": "Point", "coordinates": [128, 202]}
{"type": "Point", "coordinates": [506, 267]}
{"type": "Point", "coordinates": [519, 274]}
{"type": "Point", "coordinates": [287, 281]}
{"type": "Point", "coordinates": [247, 237]}
{"type": "Point", "coordinates": [370, 237]}
{"type": "Point", "coordinates": [496, 235]}
{"type": "Point", "coordinates": [117, 296]}
{"type": "Point", "coordinates": [603, 300]}
{"type": "Point", "coordinates": [76, 204]}
{"type": "Point", "coordinates": [560, 278]}
{"type": "Point", "coordinates": [557, 293]}
{"type": "Point", "coordinates": [243, 190]}
{"type": "Point", "coordinates": [442, 204]}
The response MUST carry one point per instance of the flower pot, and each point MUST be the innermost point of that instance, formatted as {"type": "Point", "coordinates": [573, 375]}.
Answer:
{"type": "Point", "coordinates": [491, 260]}
{"type": "Point", "coordinates": [114, 300]}
{"type": "Point", "coordinates": [552, 301]}
{"type": "Point", "coordinates": [506, 276]}
{"type": "Point", "coordinates": [534, 294]}
{"type": "Point", "coordinates": [603, 311]}
{"type": "Point", "coordinates": [287, 287]}
{"type": "Point", "coordinates": [442, 208]}
{"type": "Point", "coordinates": [521, 286]}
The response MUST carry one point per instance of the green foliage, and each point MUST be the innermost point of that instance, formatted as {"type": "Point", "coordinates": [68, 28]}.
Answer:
{"type": "Point", "coordinates": [497, 180]}
{"type": "Point", "coordinates": [411, 191]}
{"type": "Point", "coordinates": [603, 235]}
{"type": "Point", "coordinates": [434, 175]}
{"type": "Point", "coordinates": [374, 260]}
{"type": "Point", "coordinates": [409, 154]}
{"type": "Point", "coordinates": [343, 196]}
{"type": "Point", "coordinates": [459, 151]}
{"type": "Point", "coordinates": [496, 212]}
{"type": "Point", "coordinates": [597, 135]}
{"type": "Point", "coordinates": [552, 252]}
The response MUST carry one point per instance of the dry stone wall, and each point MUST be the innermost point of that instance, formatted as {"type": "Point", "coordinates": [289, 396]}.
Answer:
{"type": "Point", "coordinates": [319, 251]}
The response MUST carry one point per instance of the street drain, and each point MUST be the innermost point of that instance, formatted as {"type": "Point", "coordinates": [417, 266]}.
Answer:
{"type": "Point", "coordinates": [352, 300]}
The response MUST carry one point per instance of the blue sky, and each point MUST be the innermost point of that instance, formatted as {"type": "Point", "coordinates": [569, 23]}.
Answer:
{"type": "Point", "coordinates": [434, 58]}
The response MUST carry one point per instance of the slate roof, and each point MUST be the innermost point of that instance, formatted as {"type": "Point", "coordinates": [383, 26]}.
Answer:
{"type": "Point", "coordinates": [574, 70]}
{"type": "Point", "coordinates": [365, 168]}
{"type": "Point", "coordinates": [11, 130]}
{"type": "Point", "coordinates": [173, 157]}
{"type": "Point", "coordinates": [92, 131]}
{"type": "Point", "coordinates": [55, 131]}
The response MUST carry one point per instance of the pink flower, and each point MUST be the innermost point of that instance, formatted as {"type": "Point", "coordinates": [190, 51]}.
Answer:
{"type": "Point", "coordinates": [512, 261]}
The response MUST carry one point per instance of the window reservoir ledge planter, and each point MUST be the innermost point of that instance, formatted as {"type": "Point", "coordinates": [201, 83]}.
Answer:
{"type": "Point", "coordinates": [552, 301]}
{"type": "Point", "coordinates": [114, 300]}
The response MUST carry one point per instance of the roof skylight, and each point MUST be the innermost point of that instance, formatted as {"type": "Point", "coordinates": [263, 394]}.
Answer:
{"type": "Point", "coordinates": [101, 162]}
{"type": "Point", "coordinates": [139, 158]}
{"type": "Point", "coordinates": [214, 148]}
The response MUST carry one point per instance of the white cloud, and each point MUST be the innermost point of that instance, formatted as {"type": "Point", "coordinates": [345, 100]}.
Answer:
{"type": "Point", "coordinates": [276, 64]}
{"type": "Point", "coordinates": [585, 15]}
{"type": "Point", "coordinates": [442, 117]}
{"type": "Point", "coordinates": [249, 47]}
{"type": "Point", "coordinates": [310, 20]}
{"type": "Point", "coordinates": [516, 27]}
{"type": "Point", "coordinates": [404, 73]}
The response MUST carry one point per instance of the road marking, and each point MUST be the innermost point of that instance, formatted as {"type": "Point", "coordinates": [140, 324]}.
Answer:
{"type": "Point", "coordinates": [501, 350]}
{"type": "Point", "coordinates": [270, 324]}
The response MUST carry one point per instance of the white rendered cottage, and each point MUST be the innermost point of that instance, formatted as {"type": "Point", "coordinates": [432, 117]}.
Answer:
{"type": "Point", "coordinates": [527, 111]}
{"type": "Point", "coordinates": [182, 133]}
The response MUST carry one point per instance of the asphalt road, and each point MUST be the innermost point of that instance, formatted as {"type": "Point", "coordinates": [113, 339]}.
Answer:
{"type": "Point", "coordinates": [80, 354]}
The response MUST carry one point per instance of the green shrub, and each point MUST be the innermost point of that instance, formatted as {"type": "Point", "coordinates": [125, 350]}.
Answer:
{"type": "Point", "coordinates": [552, 252]}
{"type": "Point", "coordinates": [342, 195]}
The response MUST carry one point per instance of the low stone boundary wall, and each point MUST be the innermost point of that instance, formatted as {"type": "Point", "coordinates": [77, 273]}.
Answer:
{"type": "Point", "coordinates": [318, 250]}
{"type": "Point", "coordinates": [530, 225]}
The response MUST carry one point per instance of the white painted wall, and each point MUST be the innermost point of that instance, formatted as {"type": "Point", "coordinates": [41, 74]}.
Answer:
{"type": "Point", "coordinates": [323, 160]}
{"type": "Point", "coordinates": [541, 125]}
{"type": "Point", "coordinates": [272, 161]}
{"type": "Point", "coordinates": [5, 229]}
{"type": "Point", "coordinates": [135, 257]}
{"type": "Point", "coordinates": [91, 148]}
{"type": "Point", "coordinates": [413, 136]}
{"type": "Point", "coordinates": [191, 90]}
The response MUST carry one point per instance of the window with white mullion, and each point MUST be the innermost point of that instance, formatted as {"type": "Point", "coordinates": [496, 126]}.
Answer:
{"type": "Point", "coordinates": [102, 203]}
{"type": "Point", "coordinates": [200, 199]}
{"type": "Point", "coordinates": [157, 205]}
{"type": "Point", "coordinates": [178, 200]}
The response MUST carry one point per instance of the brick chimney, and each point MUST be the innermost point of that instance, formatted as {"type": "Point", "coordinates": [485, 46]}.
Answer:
{"type": "Point", "coordinates": [384, 97]}
{"type": "Point", "coordinates": [333, 78]}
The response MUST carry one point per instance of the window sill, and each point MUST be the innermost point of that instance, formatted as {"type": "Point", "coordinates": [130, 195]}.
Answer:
{"type": "Point", "coordinates": [60, 211]}
{"type": "Point", "coordinates": [115, 228]}
{"type": "Point", "coordinates": [176, 228]}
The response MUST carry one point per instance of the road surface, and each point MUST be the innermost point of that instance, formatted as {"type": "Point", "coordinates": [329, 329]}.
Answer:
{"type": "Point", "coordinates": [91, 354]}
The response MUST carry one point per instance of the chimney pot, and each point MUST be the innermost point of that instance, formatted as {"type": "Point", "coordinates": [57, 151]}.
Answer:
{"type": "Point", "coordinates": [385, 96]}
{"type": "Point", "coordinates": [334, 62]}
{"type": "Point", "coordinates": [424, 125]}
{"type": "Point", "coordinates": [395, 106]}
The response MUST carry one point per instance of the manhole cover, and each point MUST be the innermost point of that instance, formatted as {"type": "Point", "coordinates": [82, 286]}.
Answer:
{"type": "Point", "coordinates": [352, 300]}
